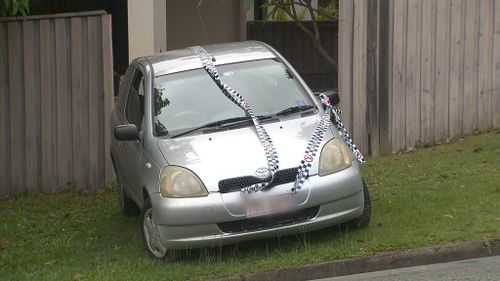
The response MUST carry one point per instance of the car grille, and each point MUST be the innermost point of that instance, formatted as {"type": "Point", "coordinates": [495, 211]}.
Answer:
{"type": "Point", "coordinates": [236, 184]}
{"type": "Point", "coordinates": [264, 222]}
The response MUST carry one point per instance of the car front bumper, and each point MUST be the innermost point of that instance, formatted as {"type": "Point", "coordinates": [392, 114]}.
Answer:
{"type": "Point", "coordinates": [196, 222]}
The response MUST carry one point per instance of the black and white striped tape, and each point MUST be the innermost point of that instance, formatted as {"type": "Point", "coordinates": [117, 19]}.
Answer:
{"type": "Point", "coordinates": [271, 154]}
{"type": "Point", "coordinates": [345, 135]}
{"type": "Point", "coordinates": [265, 139]}
{"type": "Point", "coordinates": [313, 145]}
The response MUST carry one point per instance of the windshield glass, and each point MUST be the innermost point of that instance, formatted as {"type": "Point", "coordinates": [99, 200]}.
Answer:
{"type": "Point", "coordinates": [189, 99]}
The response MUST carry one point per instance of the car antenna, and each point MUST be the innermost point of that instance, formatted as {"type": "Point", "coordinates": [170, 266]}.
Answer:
{"type": "Point", "coordinates": [204, 29]}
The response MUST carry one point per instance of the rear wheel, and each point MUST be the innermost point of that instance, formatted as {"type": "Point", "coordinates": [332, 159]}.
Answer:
{"type": "Point", "coordinates": [127, 205]}
{"type": "Point", "coordinates": [364, 219]}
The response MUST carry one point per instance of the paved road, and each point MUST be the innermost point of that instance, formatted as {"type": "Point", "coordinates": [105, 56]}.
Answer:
{"type": "Point", "coordinates": [483, 269]}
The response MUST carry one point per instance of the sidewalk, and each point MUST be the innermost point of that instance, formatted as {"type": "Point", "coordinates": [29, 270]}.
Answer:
{"type": "Point", "coordinates": [391, 260]}
{"type": "Point", "coordinates": [480, 269]}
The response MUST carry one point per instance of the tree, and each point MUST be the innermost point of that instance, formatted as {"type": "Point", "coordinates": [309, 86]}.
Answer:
{"type": "Point", "coordinates": [289, 7]}
{"type": "Point", "coordinates": [12, 8]}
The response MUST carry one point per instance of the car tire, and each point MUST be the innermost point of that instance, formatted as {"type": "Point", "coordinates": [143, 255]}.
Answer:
{"type": "Point", "coordinates": [364, 219]}
{"type": "Point", "coordinates": [151, 237]}
{"type": "Point", "coordinates": [127, 205]}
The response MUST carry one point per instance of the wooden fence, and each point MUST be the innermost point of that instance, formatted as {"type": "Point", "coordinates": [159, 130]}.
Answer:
{"type": "Point", "coordinates": [298, 49]}
{"type": "Point", "coordinates": [418, 72]}
{"type": "Point", "coordinates": [56, 96]}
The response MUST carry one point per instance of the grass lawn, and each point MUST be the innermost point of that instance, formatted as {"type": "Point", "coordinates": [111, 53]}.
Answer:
{"type": "Point", "coordinates": [433, 196]}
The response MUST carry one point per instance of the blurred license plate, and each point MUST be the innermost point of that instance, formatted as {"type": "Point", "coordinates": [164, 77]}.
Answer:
{"type": "Point", "coordinates": [256, 207]}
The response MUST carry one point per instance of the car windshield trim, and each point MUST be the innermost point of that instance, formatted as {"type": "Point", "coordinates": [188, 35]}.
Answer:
{"type": "Point", "coordinates": [217, 65]}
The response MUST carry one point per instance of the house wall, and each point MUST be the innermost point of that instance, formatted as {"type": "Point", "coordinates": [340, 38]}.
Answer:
{"type": "Point", "coordinates": [155, 26]}
{"type": "Point", "coordinates": [160, 25]}
{"type": "Point", "coordinates": [224, 21]}
{"type": "Point", "coordinates": [146, 27]}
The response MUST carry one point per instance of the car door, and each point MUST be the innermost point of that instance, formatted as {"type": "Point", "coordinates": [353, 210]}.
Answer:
{"type": "Point", "coordinates": [132, 151]}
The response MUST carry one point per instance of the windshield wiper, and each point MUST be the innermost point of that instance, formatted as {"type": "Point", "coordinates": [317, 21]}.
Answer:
{"type": "Point", "coordinates": [227, 122]}
{"type": "Point", "coordinates": [294, 109]}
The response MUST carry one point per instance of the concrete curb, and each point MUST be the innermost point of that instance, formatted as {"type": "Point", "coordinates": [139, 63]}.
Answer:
{"type": "Point", "coordinates": [390, 260]}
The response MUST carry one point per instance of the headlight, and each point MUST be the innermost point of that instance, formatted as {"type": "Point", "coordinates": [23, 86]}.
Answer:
{"type": "Point", "coordinates": [334, 157]}
{"type": "Point", "coordinates": [180, 182]}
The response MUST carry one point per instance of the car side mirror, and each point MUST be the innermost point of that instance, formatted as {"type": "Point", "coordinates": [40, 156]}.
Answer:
{"type": "Point", "coordinates": [332, 95]}
{"type": "Point", "coordinates": [126, 132]}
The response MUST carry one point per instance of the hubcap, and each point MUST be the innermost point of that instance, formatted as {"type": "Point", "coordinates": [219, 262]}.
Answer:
{"type": "Point", "coordinates": [152, 236]}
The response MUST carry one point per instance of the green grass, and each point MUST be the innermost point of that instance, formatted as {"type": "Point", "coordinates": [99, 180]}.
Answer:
{"type": "Point", "coordinates": [433, 196]}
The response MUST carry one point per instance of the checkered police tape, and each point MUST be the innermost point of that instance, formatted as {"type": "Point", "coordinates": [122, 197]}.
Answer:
{"type": "Point", "coordinates": [271, 155]}
{"type": "Point", "coordinates": [313, 146]}
{"type": "Point", "coordinates": [315, 141]}
{"type": "Point", "coordinates": [343, 133]}
{"type": "Point", "coordinates": [233, 95]}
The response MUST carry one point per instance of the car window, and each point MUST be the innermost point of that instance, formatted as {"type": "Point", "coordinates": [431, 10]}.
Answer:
{"type": "Point", "coordinates": [189, 99]}
{"type": "Point", "coordinates": [135, 102]}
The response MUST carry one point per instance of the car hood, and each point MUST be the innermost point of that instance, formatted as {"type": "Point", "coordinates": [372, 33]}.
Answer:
{"type": "Point", "coordinates": [238, 152]}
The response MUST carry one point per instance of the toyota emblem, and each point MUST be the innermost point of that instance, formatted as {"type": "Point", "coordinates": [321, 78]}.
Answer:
{"type": "Point", "coordinates": [262, 173]}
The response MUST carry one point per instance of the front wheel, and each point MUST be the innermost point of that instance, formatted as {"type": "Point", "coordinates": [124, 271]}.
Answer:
{"type": "Point", "coordinates": [151, 235]}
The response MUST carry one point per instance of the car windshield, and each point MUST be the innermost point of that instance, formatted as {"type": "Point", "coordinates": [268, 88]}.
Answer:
{"type": "Point", "coordinates": [186, 100]}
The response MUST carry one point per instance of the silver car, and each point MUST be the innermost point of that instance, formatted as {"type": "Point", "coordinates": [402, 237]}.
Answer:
{"type": "Point", "coordinates": [183, 151]}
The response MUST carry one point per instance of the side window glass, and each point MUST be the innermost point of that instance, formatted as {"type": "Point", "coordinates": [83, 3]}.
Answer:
{"type": "Point", "coordinates": [135, 102]}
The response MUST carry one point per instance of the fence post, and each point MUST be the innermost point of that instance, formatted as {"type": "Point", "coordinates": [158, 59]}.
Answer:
{"type": "Point", "coordinates": [372, 92]}
{"type": "Point", "coordinates": [384, 65]}
{"type": "Point", "coordinates": [346, 15]}
{"type": "Point", "coordinates": [359, 100]}
{"type": "Point", "coordinates": [364, 62]}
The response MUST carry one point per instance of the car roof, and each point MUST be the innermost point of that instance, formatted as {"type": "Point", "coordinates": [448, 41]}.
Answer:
{"type": "Point", "coordinates": [184, 59]}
